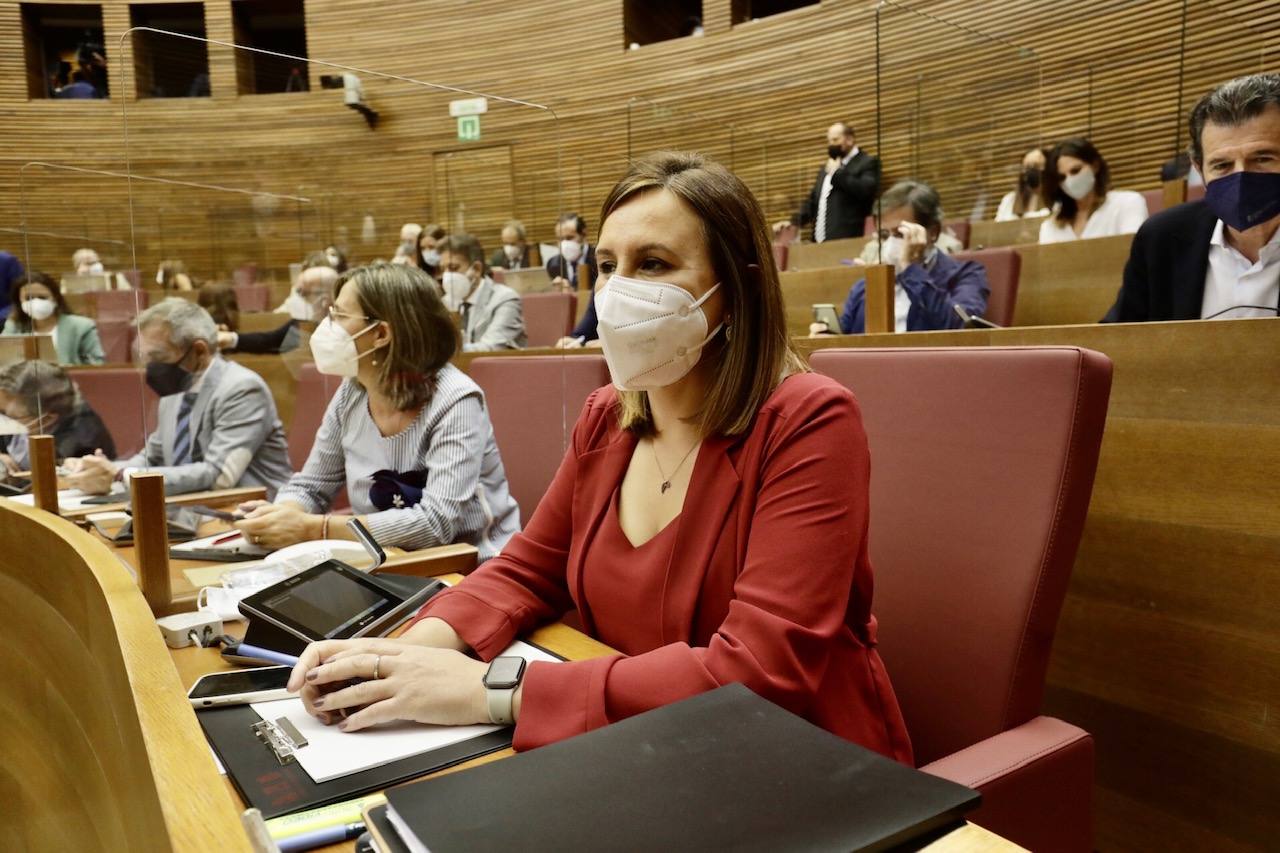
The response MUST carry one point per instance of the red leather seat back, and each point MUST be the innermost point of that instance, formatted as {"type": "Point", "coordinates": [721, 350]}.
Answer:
{"type": "Point", "coordinates": [122, 399]}
{"type": "Point", "coordinates": [548, 317]}
{"type": "Point", "coordinates": [1003, 269]}
{"type": "Point", "coordinates": [960, 228]}
{"type": "Point", "coordinates": [119, 304]}
{"type": "Point", "coordinates": [982, 465]}
{"type": "Point", "coordinates": [533, 403]}
{"type": "Point", "coordinates": [780, 256]}
{"type": "Point", "coordinates": [1155, 201]}
{"type": "Point", "coordinates": [116, 335]}
{"type": "Point", "coordinates": [253, 297]}
{"type": "Point", "coordinates": [314, 391]}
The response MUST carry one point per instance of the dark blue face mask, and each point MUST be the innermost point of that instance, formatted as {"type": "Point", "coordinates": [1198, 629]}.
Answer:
{"type": "Point", "coordinates": [1244, 199]}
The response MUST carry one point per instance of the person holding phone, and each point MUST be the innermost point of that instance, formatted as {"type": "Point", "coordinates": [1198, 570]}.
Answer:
{"type": "Point", "coordinates": [929, 283]}
{"type": "Point", "coordinates": [709, 520]}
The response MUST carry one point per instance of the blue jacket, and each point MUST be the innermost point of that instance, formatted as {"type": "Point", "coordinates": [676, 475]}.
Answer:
{"type": "Point", "coordinates": [934, 291]}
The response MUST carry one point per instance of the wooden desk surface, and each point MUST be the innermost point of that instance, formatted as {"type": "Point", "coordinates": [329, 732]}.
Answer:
{"type": "Point", "coordinates": [216, 498]}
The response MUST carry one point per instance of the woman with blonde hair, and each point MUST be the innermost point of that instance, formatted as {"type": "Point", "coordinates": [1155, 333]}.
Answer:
{"type": "Point", "coordinates": [709, 521]}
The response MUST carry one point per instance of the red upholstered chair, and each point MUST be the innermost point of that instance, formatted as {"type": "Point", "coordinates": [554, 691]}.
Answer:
{"type": "Point", "coordinates": [533, 403]}
{"type": "Point", "coordinates": [1003, 268]}
{"type": "Point", "coordinates": [245, 274]}
{"type": "Point", "coordinates": [982, 464]}
{"type": "Point", "coordinates": [253, 297]}
{"type": "Point", "coordinates": [119, 304]}
{"type": "Point", "coordinates": [122, 399]}
{"type": "Point", "coordinates": [960, 228]}
{"type": "Point", "coordinates": [314, 391]}
{"type": "Point", "coordinates": [1155, 201]}
{"type": "Point", "coordinates": [548, 317]}
{"type": "Point", "coordinates": [116, 335]}
{"type": "Point", "coordinates": [780, 256]}
{"type": "Point", "coordinates": [1194, 193]}
{"type": "Point", "coordinates": [499, 275]}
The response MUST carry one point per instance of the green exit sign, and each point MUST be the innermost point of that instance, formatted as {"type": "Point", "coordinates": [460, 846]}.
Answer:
{"type": "Point", "coordinates": [468, 128]}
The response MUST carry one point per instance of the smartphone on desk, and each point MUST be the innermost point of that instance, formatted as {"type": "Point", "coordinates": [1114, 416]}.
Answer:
{"type": "Point", "coordinates": [240, 687]}
{"type": "Point", "coordinates": [825, 313]}
{"type": "Point", "coordinates": [183, 524]}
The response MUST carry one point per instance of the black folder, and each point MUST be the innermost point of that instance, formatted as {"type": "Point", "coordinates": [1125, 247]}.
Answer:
{"type": "Point", "coordinates": [722, 770]}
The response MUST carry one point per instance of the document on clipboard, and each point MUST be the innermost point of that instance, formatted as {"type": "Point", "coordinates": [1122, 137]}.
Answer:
{"type": "Point", "coordinates": [327, 753]}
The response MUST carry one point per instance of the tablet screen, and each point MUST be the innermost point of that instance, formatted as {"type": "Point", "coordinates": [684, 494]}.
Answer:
{"type": "Point", "coordinates": [328, 604]}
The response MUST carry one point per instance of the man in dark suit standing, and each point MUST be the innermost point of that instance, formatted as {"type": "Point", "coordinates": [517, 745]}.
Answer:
{"type": "Point", "coordinates": [846, 186]}
{"type": "Point", "coordinates": [1220, 257]}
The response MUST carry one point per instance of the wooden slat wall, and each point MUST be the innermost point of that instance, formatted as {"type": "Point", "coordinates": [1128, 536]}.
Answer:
{"type": "Point", "coordinates": [958, 109]}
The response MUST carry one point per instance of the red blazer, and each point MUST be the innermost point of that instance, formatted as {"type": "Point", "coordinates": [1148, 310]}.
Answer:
{"type": "Point", "coordinates": [770, 583]}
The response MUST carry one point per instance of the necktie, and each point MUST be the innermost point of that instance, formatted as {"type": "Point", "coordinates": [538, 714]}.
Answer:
{"type": "Point", "coordinates": [820, 222]}
{"type": "Point", "coordinates": [182, 435]}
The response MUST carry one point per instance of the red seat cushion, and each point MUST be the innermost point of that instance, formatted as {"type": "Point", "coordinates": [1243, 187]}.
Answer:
{"type": "Point", "coordinates": [314, 390]}
{"type": "Point", "coordinates": [533, 403]}
{"type": "Point", "coordinates": [548, 317]}
{"type": "Point", "coordinates": [122, 399]}
{"type": "Point", "coordinates": [1004, 266]}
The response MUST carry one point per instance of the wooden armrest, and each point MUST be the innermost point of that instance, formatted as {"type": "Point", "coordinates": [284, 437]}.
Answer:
{"type": "Point", "coordinates": [432, 562]}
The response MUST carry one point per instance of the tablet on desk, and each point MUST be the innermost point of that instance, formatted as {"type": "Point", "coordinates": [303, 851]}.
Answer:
{"type": "Point", "coordinates": [333, 601]}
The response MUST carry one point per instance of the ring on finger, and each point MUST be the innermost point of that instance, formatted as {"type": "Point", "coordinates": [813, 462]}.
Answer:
{"type": "Point", "coordinates": [377, 659]}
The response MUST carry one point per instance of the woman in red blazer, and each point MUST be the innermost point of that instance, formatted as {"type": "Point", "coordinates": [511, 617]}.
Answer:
{"type": "Point", "coordinates": [709, 520]}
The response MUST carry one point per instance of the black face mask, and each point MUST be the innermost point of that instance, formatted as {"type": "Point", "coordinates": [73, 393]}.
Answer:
{"type": "Point", "coordinates": [166, 378]}
{"type": "Point", "coordinates": [1031, 178]}
{"type": "Point", "coordinates": [835, 152]}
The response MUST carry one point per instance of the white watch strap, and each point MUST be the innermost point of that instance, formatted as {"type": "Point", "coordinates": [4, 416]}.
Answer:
{"type": "Point", "coordinates": [501, 705]}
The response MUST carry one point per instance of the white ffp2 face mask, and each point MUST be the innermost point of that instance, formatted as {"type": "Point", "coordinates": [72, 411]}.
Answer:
{"type": "Point", "coordinates": [571, 249]}
{"type": "Point", "coordinates": [652, 333]}
{"type": "Point", "coordinates": [456, 287]}
{"type": "Point", "coordinates": [39, 308]}
{"type": "Point", "coordinates": [1078, 185]}
{"type": "Point", "coordinates": [334, 349]}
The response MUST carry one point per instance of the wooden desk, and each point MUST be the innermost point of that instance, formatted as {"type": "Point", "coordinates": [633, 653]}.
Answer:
{"type": "Point", "coordinates": [807, 256]}
{"type": "Point", "coordinates": [194, 662]}
{"type": "Point", "coordinates": [1068, 283]}
{"type": "Point", "coordinates": [1016, 232]}
{"type": "Point", "coordinates": [803, 289]}
{"type": "Point", "coordinates": [455, 560]}
{"type": "Point", "coordinates": [214, 498]}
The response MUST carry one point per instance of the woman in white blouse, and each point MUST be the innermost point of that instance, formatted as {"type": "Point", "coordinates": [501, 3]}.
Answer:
{"type": "Point", "coordinates": [1027, 201]}
{"type": "Point", "coordinates": [1077, 182]}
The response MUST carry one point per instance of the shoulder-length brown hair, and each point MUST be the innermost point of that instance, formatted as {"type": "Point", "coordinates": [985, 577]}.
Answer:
{"type": "Point", "coordinates": [758, 353]}
{"type": "Point", "coordinates": [221, 303]}
{"type": "Point", "coordinates": [423, 337]}
{"type": "Point", "coordinates": [1081, 149]}
{"type": "Point", "coordinates": [19, 314]}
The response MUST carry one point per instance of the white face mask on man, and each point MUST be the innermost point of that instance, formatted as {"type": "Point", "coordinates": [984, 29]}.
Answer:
{"type": "Point", "coordinates": [652, 333]}
{"type": "Point", "coordinates": [334, 349]}
{"type": "Point", "coordinates": [571, 250]}
{"type": "Point", "coordinates": [301, 308]}
{"type": "Point", "coordinates": [1080, 184]}
{"type": "Point", "coordinates": [457, 287]}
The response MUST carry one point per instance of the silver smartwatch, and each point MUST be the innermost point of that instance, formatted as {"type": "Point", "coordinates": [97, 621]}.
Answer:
{"type": "Point", "coordinates": [500, 682]}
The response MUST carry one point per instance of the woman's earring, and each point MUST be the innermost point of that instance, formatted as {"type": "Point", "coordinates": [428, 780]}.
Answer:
{"type": "Point", "coordinates": [728, 331]}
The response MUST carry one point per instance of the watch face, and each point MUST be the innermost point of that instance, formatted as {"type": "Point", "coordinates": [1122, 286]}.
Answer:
{"type": "Point", "coordinates": [504, 673]}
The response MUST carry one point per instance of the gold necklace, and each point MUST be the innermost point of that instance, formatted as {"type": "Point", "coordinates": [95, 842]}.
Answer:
{"type": "Point", "coordinates": [666, 481]}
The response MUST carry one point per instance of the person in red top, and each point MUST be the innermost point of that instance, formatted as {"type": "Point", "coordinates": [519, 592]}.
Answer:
{"type": "Point", "coordinates": [709, 520]}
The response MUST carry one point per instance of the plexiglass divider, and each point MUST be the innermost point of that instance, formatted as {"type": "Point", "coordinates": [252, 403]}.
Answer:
{"type": "Point", "coordinates": [310, 216]}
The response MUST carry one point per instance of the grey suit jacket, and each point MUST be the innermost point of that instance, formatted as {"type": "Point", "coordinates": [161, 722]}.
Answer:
{"type": "Point", "coordinates": [78, 341]}
{"type": "Point", "coordinates": [494, 319]}
{"type": "Point", "coordinates": [237, 437]}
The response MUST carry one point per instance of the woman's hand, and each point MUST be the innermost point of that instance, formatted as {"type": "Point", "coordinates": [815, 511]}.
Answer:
{"type": "Point", "coordinates": [426, 685]}
{"type": "Point", "coordinates": [278, 525]}
{"type": "Point", "coordinates": [249, 506]}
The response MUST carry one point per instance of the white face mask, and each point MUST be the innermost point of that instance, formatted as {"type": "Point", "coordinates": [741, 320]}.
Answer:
{"type": "Point", "coordinates": [456, 287]}
{"type": "Point", "coordinates": [652, 333]}
{"type": "Point", "coordinates": [39, 308]}
{"type": "Point", "coordinates": [300, 308]}
{"type": "Point", "coordinates": [1078, 185]}
{"type": "Point", "coordinates": [334, 349]}
{"type": "Point", "coordinates": [571, 249]}
{"type": "Point", "coordinates": [511, 250]}
{"type": "Point", "coordinates": [431, 257]}
{"type": "Point", "coordinates": [892, 252]}
{"type": "Point", "coordinates": [96, 268]}
{"type": "Point", "coordinates": [221, 602]}
{"type": "Point", "coordinates": [160, 276]}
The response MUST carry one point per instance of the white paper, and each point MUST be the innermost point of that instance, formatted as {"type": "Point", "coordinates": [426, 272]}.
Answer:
{"type": "Point", "coordinates": [68, 499]}
{"type": "Point", "coordinates": [331, 753]}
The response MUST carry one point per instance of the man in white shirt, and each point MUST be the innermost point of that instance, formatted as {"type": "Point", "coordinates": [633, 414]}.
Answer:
{"type": "Point", "coordinates": [846, 186]}
{"type": "Point", "coordinates": [1218, 258]}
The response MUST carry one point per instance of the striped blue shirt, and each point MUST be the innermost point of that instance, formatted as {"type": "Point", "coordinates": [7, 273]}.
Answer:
{"type": "Point", "coordinates": [465, 498]}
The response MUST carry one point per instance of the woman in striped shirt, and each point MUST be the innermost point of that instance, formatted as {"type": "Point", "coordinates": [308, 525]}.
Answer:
{"type": "Point", "coordinates": [407, 433]}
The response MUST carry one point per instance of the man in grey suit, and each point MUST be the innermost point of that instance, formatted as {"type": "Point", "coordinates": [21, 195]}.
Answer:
{"type": "Point", "coordinates": [492, 315]}
{"type": "Point", "coordinates": [218, 426]}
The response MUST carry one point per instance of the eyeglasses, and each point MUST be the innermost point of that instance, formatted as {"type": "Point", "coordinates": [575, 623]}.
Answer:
{"type": "Point", "coordinates": [334, 314]}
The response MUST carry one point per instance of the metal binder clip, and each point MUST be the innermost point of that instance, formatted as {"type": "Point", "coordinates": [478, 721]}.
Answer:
{"type": "Point", "coordinates": [281, 737]}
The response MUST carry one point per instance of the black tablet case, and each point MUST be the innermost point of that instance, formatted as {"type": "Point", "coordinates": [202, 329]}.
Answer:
{"type": "Point", "coordinates": [722, 770]}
